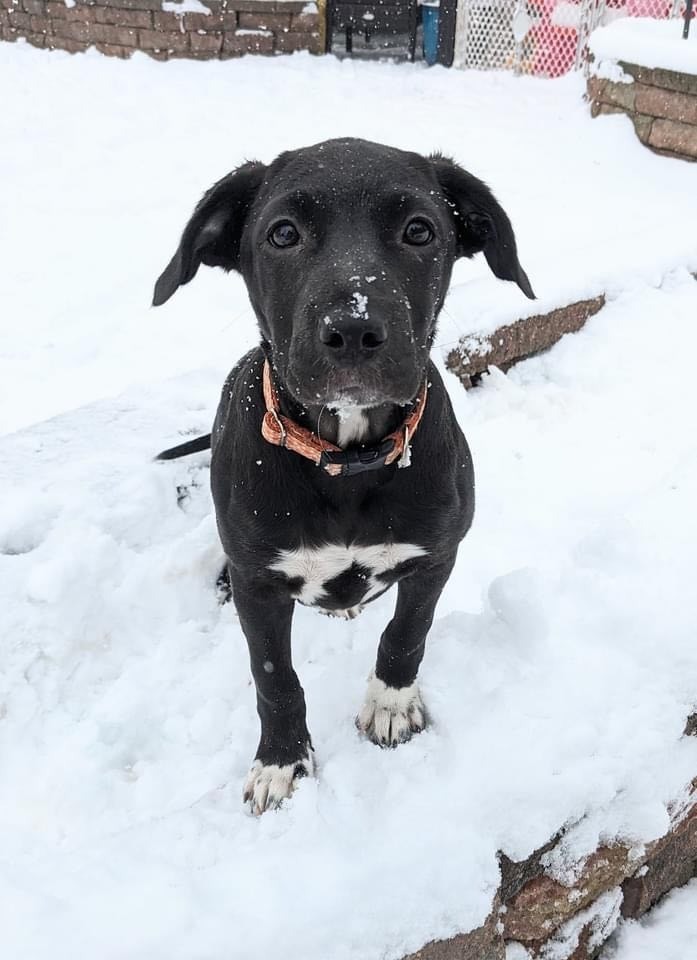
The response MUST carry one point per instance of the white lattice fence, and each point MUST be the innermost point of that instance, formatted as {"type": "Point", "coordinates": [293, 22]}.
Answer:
{"type": "Point", "coordinates": [545, 38]}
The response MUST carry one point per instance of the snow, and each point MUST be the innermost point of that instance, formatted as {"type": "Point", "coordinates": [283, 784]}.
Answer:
{"type": "Point", "coordinates": [648, 42]}
{"type": "Point", "coordinates": [610, 70]}
{"type": "Point", "coordinates": [180, 7]}
{"type": "Point", "coordinates": [561, 664]}
{"type": "Point", "coordinates": [669, 932]}
{"type": "Point", "coordinates": [359, 307]}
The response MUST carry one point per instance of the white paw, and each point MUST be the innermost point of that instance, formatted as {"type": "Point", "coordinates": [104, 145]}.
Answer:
{"type": "Point", "coordinates": [268, 785]}
{"type": "Point", "coordinates": [389, 715]}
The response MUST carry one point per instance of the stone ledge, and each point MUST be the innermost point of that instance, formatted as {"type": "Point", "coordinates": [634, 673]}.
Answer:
{"type": "Point", "coordinates": [668, 104]}
{"type": "Point", "coordinates": [676, 138]}
{"type": "Point", "coordinates": [665, 79]}
{"type": "Point", "coordinates": [518, 341]}
{"type": "Point", "coordinates": [662, 105]}
{"type": "Point", "coordinates": [571, 922]}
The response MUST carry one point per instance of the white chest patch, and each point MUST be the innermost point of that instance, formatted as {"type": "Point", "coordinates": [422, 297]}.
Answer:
{"type": "Point", "coordinates": [353, 425]}
{"type": "Point", "coordinates": [317, 565]}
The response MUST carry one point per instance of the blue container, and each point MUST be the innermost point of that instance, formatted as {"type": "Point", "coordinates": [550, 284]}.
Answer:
{"type": "Point", "coordinates": [429, 19]}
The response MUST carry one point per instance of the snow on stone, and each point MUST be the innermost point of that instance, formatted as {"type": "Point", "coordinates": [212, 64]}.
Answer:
{"type": "Point", "coordinates": [180, 7]}
{"type": "Point", "coordinates": [561, 664]}
{"type": "Point", "coordinates": [602, 916]}
{"type": "Point", "coordinates": [668, 932]}
{"type": "Point", "coordinates": [610, 70]}
{"type": "Point", "coordinates": [651, 43]}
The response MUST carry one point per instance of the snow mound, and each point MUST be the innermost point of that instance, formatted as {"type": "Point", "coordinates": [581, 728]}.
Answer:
{"type": "Point", "coordinates": [648, 42]}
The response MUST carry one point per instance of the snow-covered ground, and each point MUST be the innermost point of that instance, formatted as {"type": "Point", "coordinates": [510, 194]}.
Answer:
{"type": "Point", "coordinates": [562, 662]}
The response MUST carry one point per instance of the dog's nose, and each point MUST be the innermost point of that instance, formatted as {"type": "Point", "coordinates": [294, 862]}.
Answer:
{"type": "Point", "coordinates": [352, 337]}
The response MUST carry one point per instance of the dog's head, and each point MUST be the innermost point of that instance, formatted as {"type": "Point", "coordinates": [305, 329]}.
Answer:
{"type": "Point", "coordinates": [346, 249]}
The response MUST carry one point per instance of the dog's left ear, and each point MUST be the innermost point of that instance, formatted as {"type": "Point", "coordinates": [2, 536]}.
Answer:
{"type": "Point", "coordinates": [212, 235]}
{"type": "Point", "coordinates": [482, 223]}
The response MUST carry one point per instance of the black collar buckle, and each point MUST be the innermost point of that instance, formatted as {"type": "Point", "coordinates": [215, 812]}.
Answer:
{"type": "Point", "coordinates": [358, 459]}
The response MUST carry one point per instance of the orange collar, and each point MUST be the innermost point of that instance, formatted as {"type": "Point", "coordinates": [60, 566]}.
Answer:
{"type": "Point", "coordinates": [283, 432]}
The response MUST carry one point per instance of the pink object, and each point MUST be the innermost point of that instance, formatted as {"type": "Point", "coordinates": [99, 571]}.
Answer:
{"type": "Point", "coordinates": [554, 49]}
{"type": "Point", "coordinates": [553, 37]}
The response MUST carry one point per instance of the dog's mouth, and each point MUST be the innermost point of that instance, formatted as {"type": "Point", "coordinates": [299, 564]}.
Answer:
{"type": "Point", "coordinates": [353, 388]}
{"type": "Point", "coordinates": [337, 386]}
{"type": "Point", "coordinates": [349, 388]}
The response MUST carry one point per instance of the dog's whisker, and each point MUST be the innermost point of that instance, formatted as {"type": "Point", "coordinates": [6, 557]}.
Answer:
{"type": "Point", "coordinates": [239, 316]}
{"type": "Point", "coordinates": [442, 344]}
{"type": "Point", "coordinates": [319, 418]}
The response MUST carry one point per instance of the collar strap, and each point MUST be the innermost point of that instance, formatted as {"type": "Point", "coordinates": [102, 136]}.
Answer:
{"type": "Point", "coordinates": [284, 432]}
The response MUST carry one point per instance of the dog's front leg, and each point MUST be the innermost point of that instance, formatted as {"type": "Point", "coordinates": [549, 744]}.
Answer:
{"type": "Point", "coordinates": [393, 710]}
{"type": "Point", "coordinates": [284, 754]}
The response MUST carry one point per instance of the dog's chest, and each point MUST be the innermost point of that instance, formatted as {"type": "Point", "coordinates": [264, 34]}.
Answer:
{"type": "Point", "coordinates": [340, 577]}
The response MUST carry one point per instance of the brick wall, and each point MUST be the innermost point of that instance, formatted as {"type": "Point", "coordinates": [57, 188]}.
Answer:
{"type": "Point", "coordinates": [118, 27]}
{"type": "Point", "coordinates": [662, 105]}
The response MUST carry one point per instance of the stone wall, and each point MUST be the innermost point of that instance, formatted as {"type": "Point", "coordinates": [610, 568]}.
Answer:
{"type": "Point", "coordinates": [547, 919]}
{"type": "Point", "coordinates": [119, 27]}
{"type": "Point", "coordinates": [662, 105]}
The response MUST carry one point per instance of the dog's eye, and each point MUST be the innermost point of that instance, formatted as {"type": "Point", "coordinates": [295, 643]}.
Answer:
{"type": "Point", "coordinates": [418, 233]}
{"type": "Point", "coordinates": [284, 234]}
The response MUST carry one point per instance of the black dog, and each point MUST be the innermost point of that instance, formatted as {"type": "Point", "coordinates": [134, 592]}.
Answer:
{"type": "Point", "coordinates": [338, 468]}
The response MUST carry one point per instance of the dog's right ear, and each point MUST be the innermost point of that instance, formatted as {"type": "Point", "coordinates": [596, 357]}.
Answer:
{"type": "Point", "coordinates": [212, 235]}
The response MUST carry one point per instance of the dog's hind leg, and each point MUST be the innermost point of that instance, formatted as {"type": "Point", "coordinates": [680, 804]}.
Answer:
{"type": "Point", "coordinates": [393, 710]}
{"type": "Point", "coordinates": [284, 754]}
